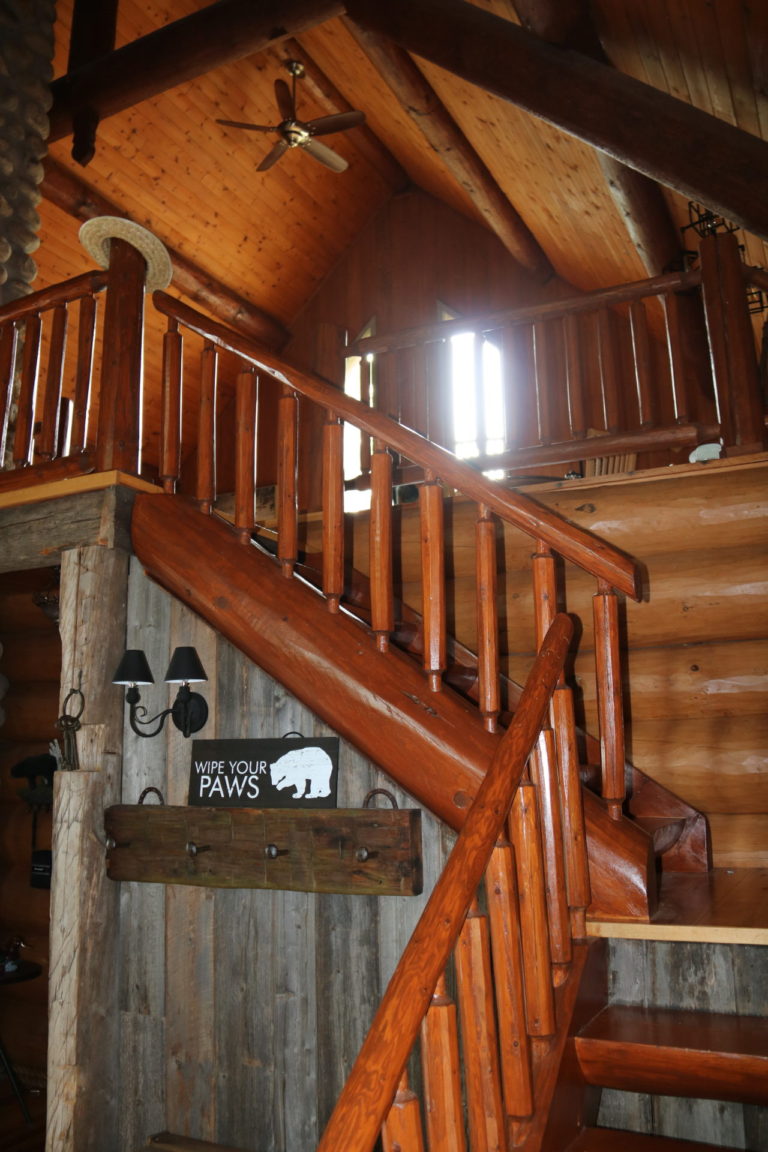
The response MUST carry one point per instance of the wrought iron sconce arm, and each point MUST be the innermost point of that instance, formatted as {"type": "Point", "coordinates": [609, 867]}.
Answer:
{"type": "Point", "coordinates": [189, 710]}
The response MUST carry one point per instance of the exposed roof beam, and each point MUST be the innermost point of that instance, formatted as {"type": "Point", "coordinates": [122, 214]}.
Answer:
{"type": "Point", "coordinates": [216, 35]}
{"type": "Point", "coordinates": [639, 200]}
{"type": "Point", "coordinates": [684, 148]}
{"type": "Point", "coordinates": [75, 198]}
{"type": "Point", "coordinates": [317, 84]}
{"type": "Point", "coordinates": [443, 134]}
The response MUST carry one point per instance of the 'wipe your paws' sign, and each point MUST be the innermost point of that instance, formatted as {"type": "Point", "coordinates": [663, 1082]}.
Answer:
{"type": "Point", "coordinates": [295, 771]}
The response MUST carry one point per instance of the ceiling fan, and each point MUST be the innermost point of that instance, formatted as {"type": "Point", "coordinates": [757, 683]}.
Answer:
{"type": "Point", "coordinates": [295, 133]}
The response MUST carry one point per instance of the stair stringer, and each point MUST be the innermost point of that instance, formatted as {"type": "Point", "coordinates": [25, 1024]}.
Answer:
{"type": "Point", "coordinates": [433, 744]}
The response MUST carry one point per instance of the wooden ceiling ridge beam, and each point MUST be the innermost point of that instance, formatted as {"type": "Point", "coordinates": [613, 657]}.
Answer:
{"type": "Point", "coordinates": [218, 34]}
{"type": "Point", "coordinates": [74, 197]}
{"type": "Point", "coordinates": [444, 136]}
{"type": "Point", "coordinates": [683, 147]}
{"type": "Point", "coordinates": [639, 200]}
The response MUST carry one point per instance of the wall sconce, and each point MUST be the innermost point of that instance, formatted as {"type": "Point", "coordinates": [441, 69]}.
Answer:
{"type": "Point", "coordinates": [189, 710]}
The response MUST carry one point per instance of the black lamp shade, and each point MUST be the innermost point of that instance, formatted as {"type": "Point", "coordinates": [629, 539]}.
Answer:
{"type": "Point", "coordinates": [185, 667]}
{"type": "Point", "coordinates": [133, 669]}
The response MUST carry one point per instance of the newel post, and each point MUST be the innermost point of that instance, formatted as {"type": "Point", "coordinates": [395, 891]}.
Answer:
{"type": "Point", "coordinates": [731, 345]}
{"type": "Point", "coordinates": [137, 262]}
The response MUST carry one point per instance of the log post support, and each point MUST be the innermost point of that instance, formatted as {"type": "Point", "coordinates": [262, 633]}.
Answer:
{"type": "Point", "coordinates": [83, 1047]}
{"type": "Point", "coordinates": [605, 606]}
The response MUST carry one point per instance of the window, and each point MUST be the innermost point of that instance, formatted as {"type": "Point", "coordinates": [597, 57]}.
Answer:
{"type": "Point", "coordinates": [477, 394]}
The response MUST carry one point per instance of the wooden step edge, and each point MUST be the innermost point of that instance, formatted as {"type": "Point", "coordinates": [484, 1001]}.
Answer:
{"type": "Point", "coordinates": [663, 832]}
{"type": "Point", "coordinates": [168, 1142]}
{"type": "Point", "coordinates": [676, 1053]}
{"type": "Point", "coordinates": [611, 1139]}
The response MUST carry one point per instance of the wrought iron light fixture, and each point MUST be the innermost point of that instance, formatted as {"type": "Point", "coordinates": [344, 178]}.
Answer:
{"type": "Point", "coordinates": [189, 710]}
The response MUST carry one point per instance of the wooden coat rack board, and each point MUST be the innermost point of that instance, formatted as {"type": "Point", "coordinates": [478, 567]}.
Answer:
{"type": "Point", "coordinates": [356, 851]}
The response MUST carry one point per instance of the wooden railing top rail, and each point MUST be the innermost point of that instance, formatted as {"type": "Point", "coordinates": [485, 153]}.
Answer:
{"type": "Point", "coordinates": [370, 1088]}
{"type": "Point", "coordinates": [546, 310]}
{"type": "Point", "coordinates": [69, 290]}
{"type": "Point", "coordinates": [587, 551]}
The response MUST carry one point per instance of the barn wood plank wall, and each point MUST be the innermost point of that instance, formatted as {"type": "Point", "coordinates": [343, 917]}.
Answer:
{"type": "Point", "coordinates": [242, 1011]}
{"type": "Point", "coordinates": [31, 660]}
{"type": "Point", "coordinates": [697, 663]}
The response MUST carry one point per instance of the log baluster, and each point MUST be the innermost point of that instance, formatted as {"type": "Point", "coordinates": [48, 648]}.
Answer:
{"type": "Point", "coordinates": [544, 774]}
{"type": "Point", "coordinates": [380, 544]}
{"type": "Point", "coordinates": [504, 916]}
{"type": "Point", "coordinates": [482, 1074]}
{"type": "Point", "coordinates": [544, 589]}
{"type": "Point", "coordinates": [676, 354]}
{"type": "Point", "coordinates": [86, 335]}
{"type": "Point", "coordinates": [48, 442]}
{"type": "Point", "coordinates": [402, 1131]}
{"type": "Point", "coordinates": [574, 376]}
{"type": "Point", "coordinates": [366, 395]}
{"type": "Point", "coordinates": [8, 346]}
{"type": "Point", "coordinates": [25, 419]}
{"type": "Point", "coordinates": [609, 370]}
{"type": "Point", "coordinates": [487, 618]}
{"type": "Point", "coordinates": [333, 511]}
{"type": "Point", "coordinates": [246, 406]}
{"type": "Point", "coordinates": [543, 380]}
{"type": "Point", "coordinates": [287, 480]}
{"type": "Point", "coordinates": [433, 579]}
{"type": "Point", "coordinates": [574, 833]}
{"type": "Point", "coordinates": [205, 482]}
{"type": "Point", "coordinates": [642, 364]}
{"type": "Point", "coordinates": [605, 607]}
{"type": "Point", "coordinates": [120, 396]}
{"type": "Point", "coordinates": [731, 342]}
{"type": "Point", "coordinates": [526, 840]}
{"type": "Point", "coordinates": [170, 414]}
{"type": "Point", "coordinates": [443, 1110]}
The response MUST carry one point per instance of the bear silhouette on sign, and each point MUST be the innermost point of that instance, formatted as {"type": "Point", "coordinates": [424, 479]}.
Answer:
{"type": "Point", "coordinates": [307, 770]}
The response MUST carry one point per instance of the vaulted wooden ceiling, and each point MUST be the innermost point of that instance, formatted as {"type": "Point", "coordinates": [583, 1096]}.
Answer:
{"type": "Point", "coordinates": [272, 236]}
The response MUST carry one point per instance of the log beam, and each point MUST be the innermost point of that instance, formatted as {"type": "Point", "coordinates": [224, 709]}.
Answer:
{"type": "Point", "coordinates": [712, 162]}
{"type": "Point", "coordinates": [77, 199]}
{"type": "Point", "coordinates": [640, 201]}
{"type": "Point", "coordinates": [444, 136]}
{"type": "Point", "coordinates": [219, 34]}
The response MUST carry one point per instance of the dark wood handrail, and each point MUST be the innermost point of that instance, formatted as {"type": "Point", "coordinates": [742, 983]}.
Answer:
{"type": "Point", "coordinates": [74, 289]}
{"type": "Point", "coordinates": [546, 310]}
{"type": "Point", "coordinates": [582, 548]}
{"type": "Point", "coordinates": [372, 1083]}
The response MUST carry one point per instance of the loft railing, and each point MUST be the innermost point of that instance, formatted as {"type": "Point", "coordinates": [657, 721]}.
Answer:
{"type": "Point", "coordinates": [660, 364]}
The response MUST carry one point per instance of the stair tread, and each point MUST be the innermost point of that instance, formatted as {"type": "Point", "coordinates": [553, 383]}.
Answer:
{"type": "Point", "coordinates": [680, 1028]}
{"type": "Point", "coordinates": [676, 1053]}
{"type": "Point", "coordinates": [609, 1139]}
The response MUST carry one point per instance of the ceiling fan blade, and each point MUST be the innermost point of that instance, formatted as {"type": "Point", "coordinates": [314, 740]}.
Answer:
{"type": "Point", "coordinates": [337, 122]}
{"type": "Point", "coordinates": [248, 127]}
{"type": "Point", "coordinates": [326, 156]}
{"type": "Point", "coordinates": [284, 100]}
{"type": "Point", "coordinates": [273, 156]}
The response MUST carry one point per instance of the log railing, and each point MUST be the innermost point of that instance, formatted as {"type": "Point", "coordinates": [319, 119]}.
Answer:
{"type": "Point", "coordinates": [48, 424]}
{"type": "Point", "coordinates": [614, 572]}
{"type": "Point", "coordinates": [658, 365]}
{"type": "Point", "coordinates": [497, 1090]}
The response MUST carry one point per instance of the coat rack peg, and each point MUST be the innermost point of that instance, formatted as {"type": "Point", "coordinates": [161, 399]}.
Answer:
{"type": "Point", "coordinates": [193, 849]}
{"type": "Point", "coordinates": [272, 851]}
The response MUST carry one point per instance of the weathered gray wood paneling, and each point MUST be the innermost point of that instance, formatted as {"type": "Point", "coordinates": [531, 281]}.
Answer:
{"type": "Point", "coordinates": [257, 1000]}
{"type": "Point", "coordinates": [35, 535]}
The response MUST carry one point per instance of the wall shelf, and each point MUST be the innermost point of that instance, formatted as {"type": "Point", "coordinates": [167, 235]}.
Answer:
{"type": "Point", "coordinates": [355, 851]}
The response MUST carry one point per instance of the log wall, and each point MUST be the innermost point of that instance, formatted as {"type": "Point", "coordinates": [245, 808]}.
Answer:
{"type": "Point", "coordinates": [241, 1011]}
{"type": "Point", "coordinates": [695, 649]}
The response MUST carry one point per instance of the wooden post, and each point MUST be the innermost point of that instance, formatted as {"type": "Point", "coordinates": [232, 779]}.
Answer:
{"type": "Point", "coordinates": [205, 485]}
{"type": "Point", "coordinates": [526, 838]}
{"type": "Point", "coordinates": [25, 421]}
{"type": "Point", "coordinates": [333, 511]}
{"type": "Point", "coordinates": [119, 438]}
{"type": "Point", "coordinates": [548, 795]}
{"type": "Point", "coordinates": [642, 363]}
{"type": "Point", "coordinates": [610, 705]}
{"type": "Point", "coordinates": [442, 1073]}
{"type": "Point", "coordinates": [574, 834]}
{"type": "Point", "coordinates": [246, 401]}
{"type": "Point", "coordinates": [8, 346]}
{"type": "Point", "coordinates": [83, 1035]}
{"type": "Point", "coordinates": [487, 618]}
{"type": "Point", "coordinates": [543, 380]}
{"type": "Point", "coordinates": [402, 1127]}
{"type": "Point", "coordinates": [170, 421]}
{"type": "Point", "coordinates": [287, 480]}
{"type": "Point", "coordinates": [49, 435]}
{"type": "Point", "coordinates": [380, 564]}
{"type": "Point", "coordinates": [574, 373]}
{"type": "Point", "coordinates": [609, 372]}
{"type": "Point", "coordinates": [433, 579]}
{"type": "Point", "coordinates": [86, 332]}
{"type": "Point", "coordinates": [731, 345]}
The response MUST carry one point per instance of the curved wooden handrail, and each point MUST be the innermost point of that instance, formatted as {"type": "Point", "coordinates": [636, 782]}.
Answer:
{"type": "Point", "coordinates": [360, 1111]}
{"type": "Point", "coordinates": [74, 289]}
{"type": "Point", "coordinates": [582, 548]}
